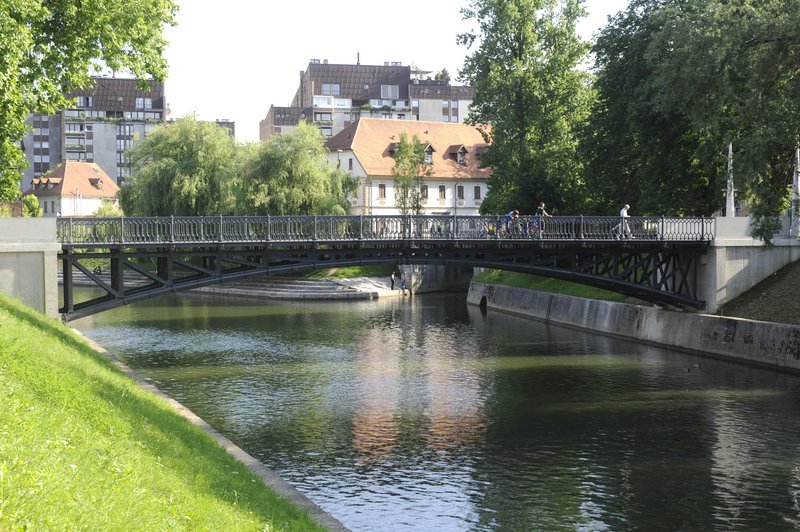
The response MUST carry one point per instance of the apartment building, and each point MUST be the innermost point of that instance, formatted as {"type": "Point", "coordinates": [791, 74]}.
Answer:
{"type": "Point", "coordinates": [334, 96]}
{"type": "Point", "coordinates": [456, 185]}
{"type": "Point", "coordinates": [99, 128]}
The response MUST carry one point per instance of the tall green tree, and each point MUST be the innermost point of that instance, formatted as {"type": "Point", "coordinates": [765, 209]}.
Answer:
{"type": "Point", "coordinates": [409, 172]}
{"type": "Point", "coordinates": [50, 47]}
{"type": "Point", "coordinates": [531, 98]}
{"type": "Point", "coordinates": [290, 174]}
{"type": "Point", "coordinates": [639, 152]}
{"type": "Point", "coordinates": [680, 79]}
{"type": "Point", "coordinates": [178, 169]}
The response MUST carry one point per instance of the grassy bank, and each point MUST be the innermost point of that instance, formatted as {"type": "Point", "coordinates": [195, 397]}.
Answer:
{"type": "Point", "coordinates": [82, 447]}
{"type": "Point", "coordinates": [546, 284]}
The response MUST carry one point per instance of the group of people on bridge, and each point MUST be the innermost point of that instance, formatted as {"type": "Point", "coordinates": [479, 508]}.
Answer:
{"type": "Point", "coordinates": [511, 224]}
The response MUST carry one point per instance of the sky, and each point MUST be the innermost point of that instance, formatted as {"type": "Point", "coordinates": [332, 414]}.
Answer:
{"type": "Point", "coordinates": [233, 59]}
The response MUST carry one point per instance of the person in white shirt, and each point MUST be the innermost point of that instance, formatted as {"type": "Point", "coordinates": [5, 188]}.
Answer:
{"type": "Point", "coordinates": [623, 228]}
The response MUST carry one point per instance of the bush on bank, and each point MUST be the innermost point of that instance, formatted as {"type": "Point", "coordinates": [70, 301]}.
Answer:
{"type": "Point", "coordinates": [82, 447]}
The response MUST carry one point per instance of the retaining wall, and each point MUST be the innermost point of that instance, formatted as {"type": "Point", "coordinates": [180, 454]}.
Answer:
{"type": "Point", "coordinates": [774, 345]}
{"type": "Point", "coordinates": [29, 262]}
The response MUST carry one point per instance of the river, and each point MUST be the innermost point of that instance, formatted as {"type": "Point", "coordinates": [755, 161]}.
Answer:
{"type": "Point", "coordinates": [425, 414]}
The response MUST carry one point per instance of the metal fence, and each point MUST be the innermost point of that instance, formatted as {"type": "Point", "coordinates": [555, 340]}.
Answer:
{"type": "Point", "coordinates": [243, 229]}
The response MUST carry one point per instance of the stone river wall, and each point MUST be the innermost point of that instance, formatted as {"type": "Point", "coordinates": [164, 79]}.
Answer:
{"type": "Point", "coordinates": [774, 345]}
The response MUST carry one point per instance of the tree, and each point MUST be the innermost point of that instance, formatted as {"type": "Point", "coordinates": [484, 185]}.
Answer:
{"type": "Point", "coordinates": [442, 75]}
{"type": "Point", "coordinates": [408, 171]}
{"type": "Point", "coordinates": [178, 170]}
{"type": "Point", "coordinates": [639, 152]}
{"type": "Point", "coordinates": [108, 209]}
{"type": "Point", "coordinates": [679, 80]}
{"type": "Point", "coordinates": [30, 206]}
{"type": "Point", "coordinates": [49, 48]}
{"type": "Point", "coordinates": [290, 174]}
{"type": "Point", "coordinates": [530, 99]}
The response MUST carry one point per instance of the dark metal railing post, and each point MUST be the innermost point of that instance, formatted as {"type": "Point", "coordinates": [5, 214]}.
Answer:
{"type": "Point", "coordinates": [70, 231]}
{"type": "Point", "coordinates": [122, 230]}
{"type": "Point", "coordinates": [171, 229]}
{"type": "Point", "coordinates": [662, 229]}
{"type": "Point", "coordinates": [361, 226]}
{"type": "Point", "coordinates": [269, 229]}
{"type": "Point", "coordinates": [580, 229]}
{"type": "Point", "coordinates": [220, 229]}
{"type": "Point", "coordinates": [315, 229]}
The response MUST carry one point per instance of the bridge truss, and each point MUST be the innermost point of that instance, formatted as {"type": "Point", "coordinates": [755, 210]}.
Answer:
{"type": "Point", "coordinates": [653, 259]}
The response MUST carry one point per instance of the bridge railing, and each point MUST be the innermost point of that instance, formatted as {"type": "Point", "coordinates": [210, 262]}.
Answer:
{"type": "Point", "coordinates": [211, 229]}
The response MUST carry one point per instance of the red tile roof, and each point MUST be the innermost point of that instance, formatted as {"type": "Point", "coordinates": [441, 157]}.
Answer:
{"type": "Point", "coordinates": [372, 141]}
{"type": "Point", "coordinates": [75, 178]}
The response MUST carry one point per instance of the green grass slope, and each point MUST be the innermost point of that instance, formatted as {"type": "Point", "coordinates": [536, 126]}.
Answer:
{"type": "Point", "coordinates": [547, 284]}
{"type": "Point", "coordinates": [82, 447]}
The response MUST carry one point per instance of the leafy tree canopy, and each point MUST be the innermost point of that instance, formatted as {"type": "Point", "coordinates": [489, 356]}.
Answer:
{"type": "Point", "coordinates": [50, 47]}
{"type": "Point", "coordinates": [680, 79]}
{"type": "Point", "coordinates": [408, 171]}
{"type": "Point", "coordinates": [30, 207]}
{"type": "Point", "coordinates": [289, 174]}
{"type": "Point", "coordinates": [533, 97]}
{"type": "Point", "coordinates": [178, 170]}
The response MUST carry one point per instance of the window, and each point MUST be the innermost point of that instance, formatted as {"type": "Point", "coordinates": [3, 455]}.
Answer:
{"type": "Point", "coordinates": [350, 163]}
{"type": "Point", "coordinates": [83, 101]}
{"type": "Point", "coordinates": [428, 155]}
{"type": "Point", "coordinates": [454, 104]}
{"type": "Point", "coordinates": [390, 91]}
{"type": "Point", "coordinates": [460, 192]}
{"type": "Point", "coordinates": [442, 192]}
{"type": "Point", "coordinates": [415, 104]}
{"type": "Point", "coordinates": [327, 131]}
{"type": "Point", "coordinates": [477, 192]}
{"type": "Point", "coordinates": [45, 207]}
{"type": "Point", "coordinates": [462, 158]}
{"type": "Point", "coordinates": [144, 103]}
{"type": "Point", "coordinates": [423, 192]}
{"type": "Point", "coordinates": [322, 117]}
{"type": "Point", "coordinates": [331, 89]}
{"type": "Point", "coordinates": [381, 191]}
{"type": "Point", "coordinates": [445, 118]}
{"type": "Point", "coordinates": [445, 104]}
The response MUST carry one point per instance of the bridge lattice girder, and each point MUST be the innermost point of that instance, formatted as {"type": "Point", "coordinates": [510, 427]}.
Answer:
{"type": "Point", "coordinates": [657, 271]}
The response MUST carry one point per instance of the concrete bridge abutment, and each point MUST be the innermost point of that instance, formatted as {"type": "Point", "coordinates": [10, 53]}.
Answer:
{"type": "Point", "coordinates": [29, 262]}
{"type": "Point", "coordinates": [735, 261]}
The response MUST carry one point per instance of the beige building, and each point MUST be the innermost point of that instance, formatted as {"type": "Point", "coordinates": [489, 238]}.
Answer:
{"type": "Point", "coordinates": [456, 186]}
{"type": "Point", "coordinates": [73, 189]}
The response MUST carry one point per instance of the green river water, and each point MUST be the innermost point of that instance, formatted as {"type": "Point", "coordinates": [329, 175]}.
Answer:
{"type": "Point", "coordinates": [425, 414]}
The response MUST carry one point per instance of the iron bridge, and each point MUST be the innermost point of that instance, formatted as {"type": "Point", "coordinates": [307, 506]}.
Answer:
{"type": "Point", "coordinates": [651, 258]}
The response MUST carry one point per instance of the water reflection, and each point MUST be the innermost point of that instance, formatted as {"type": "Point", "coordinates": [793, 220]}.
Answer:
{"type": "Point", "coordinates": [422, 413]}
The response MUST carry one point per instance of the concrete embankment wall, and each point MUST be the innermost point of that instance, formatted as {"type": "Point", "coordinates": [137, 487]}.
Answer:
{"type": "Point", "coordinates": [769, 344]}
{"type": "Point", "coordinates": [29, 262]}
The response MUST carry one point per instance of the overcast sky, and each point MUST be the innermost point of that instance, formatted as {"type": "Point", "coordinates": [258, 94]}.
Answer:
{"type": "Point", "coordinates": [235, 58]}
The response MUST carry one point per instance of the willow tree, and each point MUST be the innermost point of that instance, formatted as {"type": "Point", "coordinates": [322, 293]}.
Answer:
{"type": "Point", "coordinates": [531, 98]}
{"type": "Point", "coordinates": [50, 47]}
{"type": "Point", "coordinates": [409, 172]}
{"type": "Point", "coordinates": [289, 174]}
{"type": "Point", "coordinates": [178, 169]}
